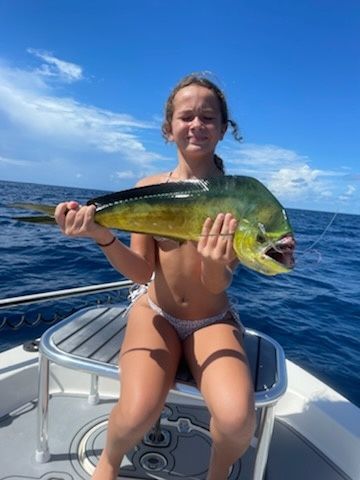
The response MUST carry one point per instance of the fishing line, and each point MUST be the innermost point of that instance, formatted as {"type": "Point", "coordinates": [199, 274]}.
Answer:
{"type": "Point", "coordinates": [321, 236]}
{"type": "Point", "coordinates": [276, 246]}
{"type": "Point", "coordinates": [299, 255]}
{"type": "Point", "coordinates": [216, 234]}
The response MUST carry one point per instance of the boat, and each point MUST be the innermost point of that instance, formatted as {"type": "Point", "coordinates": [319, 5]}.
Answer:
{"type": "Point", "coordinates": [54, 406]}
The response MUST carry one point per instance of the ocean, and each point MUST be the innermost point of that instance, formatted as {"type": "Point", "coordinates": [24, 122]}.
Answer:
{"type": "Point", "coordinates": [314, 312]}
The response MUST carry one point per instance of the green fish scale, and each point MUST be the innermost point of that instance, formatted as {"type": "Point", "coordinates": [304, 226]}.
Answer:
{"type": "Point", "coordinates": [170, 215]}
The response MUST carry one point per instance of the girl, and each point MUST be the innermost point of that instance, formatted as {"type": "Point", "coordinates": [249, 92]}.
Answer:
{"type": "Point", "coordinates": [185, 309]}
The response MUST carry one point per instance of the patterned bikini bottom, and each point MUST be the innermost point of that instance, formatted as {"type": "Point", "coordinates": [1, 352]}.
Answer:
{"type": "Point", "coordinates": [184, 328]}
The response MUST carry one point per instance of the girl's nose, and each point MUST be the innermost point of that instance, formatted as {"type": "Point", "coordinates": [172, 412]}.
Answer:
{"type": "Point", "coordinates": [196, 122]}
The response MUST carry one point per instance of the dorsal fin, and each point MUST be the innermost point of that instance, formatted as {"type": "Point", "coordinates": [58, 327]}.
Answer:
{"type": "Point", "coordinates": [170, 189]}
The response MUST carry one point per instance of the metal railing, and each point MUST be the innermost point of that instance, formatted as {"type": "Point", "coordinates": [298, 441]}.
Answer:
{"type": "Point", "coordinates": [66, 293]}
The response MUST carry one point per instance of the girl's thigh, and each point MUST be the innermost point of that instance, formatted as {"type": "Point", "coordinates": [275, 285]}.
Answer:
{"type": "Point", "coordinates": [149, 355]}
{"type": "Point", "coordinates": [218, 362]}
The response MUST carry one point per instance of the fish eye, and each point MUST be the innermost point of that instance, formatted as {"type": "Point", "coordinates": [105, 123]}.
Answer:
{"type": "Point", "coordinates": [260, 238]}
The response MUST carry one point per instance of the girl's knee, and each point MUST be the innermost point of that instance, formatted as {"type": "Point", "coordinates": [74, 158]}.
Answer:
{"type": "Point", "coordinates": [135, 418]}
{"type": "Point", "coordinates": [237, 424]}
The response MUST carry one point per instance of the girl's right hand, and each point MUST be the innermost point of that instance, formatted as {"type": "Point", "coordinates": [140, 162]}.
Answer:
{"type": "Point", "coordinates": [78, 221]}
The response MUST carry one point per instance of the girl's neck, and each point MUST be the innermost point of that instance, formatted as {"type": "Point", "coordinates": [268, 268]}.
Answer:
{"type": "Point", "coordinates": [199, 169]}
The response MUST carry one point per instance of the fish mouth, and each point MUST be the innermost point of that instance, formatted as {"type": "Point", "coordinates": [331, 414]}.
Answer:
{"type": "Point", "coordinates": [283, 251]}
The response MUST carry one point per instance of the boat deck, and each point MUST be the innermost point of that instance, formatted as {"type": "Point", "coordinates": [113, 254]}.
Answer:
{"type": "Point", "coordinates": [183, 452]}
{"type": "Point", "coordinates": [328, 422]}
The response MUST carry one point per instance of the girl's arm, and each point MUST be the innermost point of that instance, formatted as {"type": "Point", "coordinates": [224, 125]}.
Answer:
{"type": "Point", "coordinates": [135, 263]}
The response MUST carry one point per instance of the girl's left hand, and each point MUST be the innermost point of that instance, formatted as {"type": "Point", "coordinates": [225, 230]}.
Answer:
{"type": "Point", "coordinates": [216, 240]}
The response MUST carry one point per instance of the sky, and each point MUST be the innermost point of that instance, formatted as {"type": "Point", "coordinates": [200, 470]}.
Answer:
{"type": "Point", "coordinates": [83, 84]}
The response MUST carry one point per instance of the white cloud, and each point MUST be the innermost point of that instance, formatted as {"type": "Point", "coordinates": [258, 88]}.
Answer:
{"type": "Point", "coordinates": [15, 162]}
{"type": "Point", "coordinates": [54, 67]}
{"type": "Point", "coordinates": [41, 121]}
{"type": "Point", "coordinates": [264, 155]}
{"type": "Point", "coordinates": [126, 174]}
{"type": "Point", "coordinates": [296, 181]}
{"type": "Point", "coordinates": [64, 119]}
{"type": "Point", "coordinates": [348, 194]}
{"type": "Point", "coordinates": [286, 173]}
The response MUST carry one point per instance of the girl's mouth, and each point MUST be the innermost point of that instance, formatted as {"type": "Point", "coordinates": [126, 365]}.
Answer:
{"type": "Point", "coordinates": [197, 140]}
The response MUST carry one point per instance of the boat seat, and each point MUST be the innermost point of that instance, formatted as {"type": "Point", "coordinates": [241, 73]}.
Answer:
{"type": "Point", "coordinates": [89, 340]}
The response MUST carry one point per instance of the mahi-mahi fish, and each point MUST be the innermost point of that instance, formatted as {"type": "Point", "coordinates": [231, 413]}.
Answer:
{"type": "Point", "coordinates": [263, 240]}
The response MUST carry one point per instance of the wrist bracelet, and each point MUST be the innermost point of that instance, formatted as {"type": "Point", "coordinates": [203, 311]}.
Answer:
{"type": "Point", "coordinates": [107, 244]}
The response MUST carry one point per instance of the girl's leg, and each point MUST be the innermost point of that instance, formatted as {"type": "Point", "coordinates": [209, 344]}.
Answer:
{"type": "Point", "coordinates": [217, 359]}
{"type": "Point", "coordinates": [148, 362]}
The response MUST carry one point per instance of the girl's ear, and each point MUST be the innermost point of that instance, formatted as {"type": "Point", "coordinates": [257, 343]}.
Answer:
{"type": "Point", "coordinates": [223, 130]}
{"type": "Point", "coordinates": [169, 135]}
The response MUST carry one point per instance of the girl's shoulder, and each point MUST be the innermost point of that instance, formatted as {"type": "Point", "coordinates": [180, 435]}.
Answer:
{"type": "Point", "coordinates": [154, 179]}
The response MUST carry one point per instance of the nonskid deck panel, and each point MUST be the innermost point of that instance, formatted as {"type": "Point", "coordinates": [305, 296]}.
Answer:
{"type": "Point", "coordinates": [181, 452]}
{"type": "Point", "coordinates": [77, 443]}
{"type": "Point", "coordinates": [78, 433]}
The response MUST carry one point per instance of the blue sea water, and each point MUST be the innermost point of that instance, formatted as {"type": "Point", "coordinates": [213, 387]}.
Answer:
{"type": "Point", "coordinates": [314, 312]}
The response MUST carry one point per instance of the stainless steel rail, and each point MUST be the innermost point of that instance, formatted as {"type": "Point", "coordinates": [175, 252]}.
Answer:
{"type": "Point", "coordinates": [69, 292]}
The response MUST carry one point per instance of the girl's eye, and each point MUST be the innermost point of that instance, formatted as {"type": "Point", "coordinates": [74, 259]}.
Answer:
{"type": "Point", "coordinates": [203, 118]}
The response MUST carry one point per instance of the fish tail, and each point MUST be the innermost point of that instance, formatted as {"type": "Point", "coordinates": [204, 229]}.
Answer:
{"type": "Point", "coordinates": [48, 210]}
{"type": "Point", "coordinates": [44, 219]}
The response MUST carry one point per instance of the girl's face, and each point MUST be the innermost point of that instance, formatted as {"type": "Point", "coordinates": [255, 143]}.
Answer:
{"type": "Point", "coordinates": [196, 125]}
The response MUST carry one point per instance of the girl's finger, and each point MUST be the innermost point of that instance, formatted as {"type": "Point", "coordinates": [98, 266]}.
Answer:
{"type": "Point", "coordinates": [86, 218]}
{"type": "Point", "coordinates": [78, 221]}
{"type": "Point", "coordinates": [70, 216]}
{"type": "Point", "coordinates": [232, 229]}
{"type": "Point", "coordinates": [218, 224]}
{"type": "Point", "coordinates": [73, 205]}
{"type": "Point", "coordinates": [225, 228]}
{"type": "Point", "coordinates": [213, 235]}
{"type": "Point", "coordinates": [205, 232]}
{"type": "Point", "coordinates": [60, 214]}
{"type": "Point", "coordinates": [89, 215]}
{"type": "Point", "coordinates": [233, 225]}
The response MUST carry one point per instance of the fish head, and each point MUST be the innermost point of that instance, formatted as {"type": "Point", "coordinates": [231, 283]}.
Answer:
{"type": "Point", "coordinates": [267, 247]}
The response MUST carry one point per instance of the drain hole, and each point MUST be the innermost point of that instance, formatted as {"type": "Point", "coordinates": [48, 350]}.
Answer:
{"type": "Point", "coordinates": [153, 462]}
{"type": "Point", "coordinates": [156, 437]}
